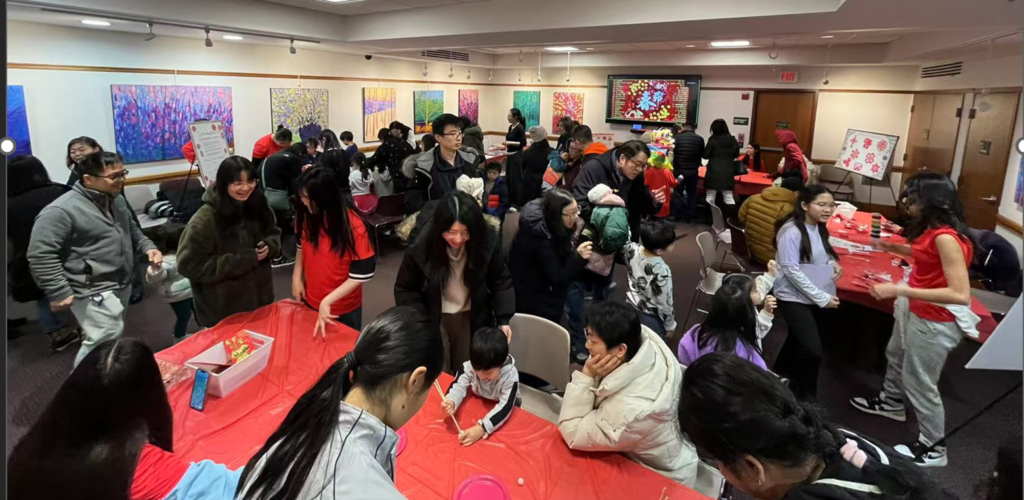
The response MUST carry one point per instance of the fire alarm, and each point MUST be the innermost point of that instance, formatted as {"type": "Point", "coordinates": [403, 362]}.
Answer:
{"type": "Point", "coordinates": [745, 96]}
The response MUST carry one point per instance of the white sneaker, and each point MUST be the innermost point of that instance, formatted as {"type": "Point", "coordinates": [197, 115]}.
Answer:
{"type": "Point", "coordinates": [878, 405]}
{"type": "Point", "coordinates": [915, 452]}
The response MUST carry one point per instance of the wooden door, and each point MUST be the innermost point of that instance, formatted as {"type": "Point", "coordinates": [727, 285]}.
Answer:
{"type": "Point", "coordinates": [988, 150]}
{"type": "Point", "coordinates": [931, 142]}
{"type": "Point", "coordinates": [783, 109]}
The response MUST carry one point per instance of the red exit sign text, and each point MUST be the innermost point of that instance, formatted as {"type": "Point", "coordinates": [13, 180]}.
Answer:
{"type": "Point", "coordinates": [789, 77]}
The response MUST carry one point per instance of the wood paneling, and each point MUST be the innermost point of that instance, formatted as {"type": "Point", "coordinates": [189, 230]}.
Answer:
{"type": "Point", "coordinates": [985, 157]}
{"type": "Point", "coordinates": [797, 108]}
{"type": "Point", "coordinates": [1011, 225]}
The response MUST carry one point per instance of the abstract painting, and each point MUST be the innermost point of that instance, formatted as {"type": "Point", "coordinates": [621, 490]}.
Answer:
{"type": "Point", "coordinates": [469, 104]}
{"type": "Point", "coordinates": [379, 110]}
{"type": "Point", "coordinates": [529, 103]}
{"type": "Point", "coordinates": [426, 106]}
{"type": "Point", "coordinates": [17, 120]}
{"type": "Point", "coordinates": [151, 121]}
{"type": "Point", "coordinates": [567, 104]}
{"type": "Point", "coordinates": [303, 111]}
{"type": "Point", "coordinates": [1018, 196]}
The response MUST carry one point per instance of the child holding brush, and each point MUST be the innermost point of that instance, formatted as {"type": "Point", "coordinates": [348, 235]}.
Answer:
{"type": "Point", "coordinates": [491, 374]}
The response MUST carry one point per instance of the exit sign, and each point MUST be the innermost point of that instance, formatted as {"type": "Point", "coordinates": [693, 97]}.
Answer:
{"type": "Point", "coordinates": [789, 77]}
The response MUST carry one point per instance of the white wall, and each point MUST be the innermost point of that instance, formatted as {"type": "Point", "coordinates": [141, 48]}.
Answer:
{"type": "Point", "coordinates": [727, 104]}
{"type": "Point", "coordinates": [1007, 206]}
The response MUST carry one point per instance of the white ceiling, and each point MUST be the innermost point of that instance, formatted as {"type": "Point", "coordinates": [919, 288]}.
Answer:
{"type": "Point", "coordinates": [357, 7]}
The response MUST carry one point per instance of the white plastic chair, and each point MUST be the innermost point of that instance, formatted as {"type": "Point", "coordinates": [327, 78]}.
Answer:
{"type": "Point", "coordinates": [723, 235]}
{"type": "Point", "coordinates": [710, 280]}
{"type": "Point", "coordinates": [710, 481]}
{"type": "Point", "coordinates": [541, 348]}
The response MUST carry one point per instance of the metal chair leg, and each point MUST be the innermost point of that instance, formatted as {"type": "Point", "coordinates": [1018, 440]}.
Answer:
{"type": "Point", "coordinates": [689, 310]}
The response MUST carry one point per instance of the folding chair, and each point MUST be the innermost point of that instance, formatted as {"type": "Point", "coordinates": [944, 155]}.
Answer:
{"type": "Point", "coordinates": [541, 349]}
{"type": "Point", "coordinates": [390, 211]}
{"type": "Point", "coordinates": [722, 234]}
{"type": "Point", "coordinates": [710, 280]}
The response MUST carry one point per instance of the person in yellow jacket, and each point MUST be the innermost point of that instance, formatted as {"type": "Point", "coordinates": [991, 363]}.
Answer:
{"type": "Point", "coordinates": [761, 211]}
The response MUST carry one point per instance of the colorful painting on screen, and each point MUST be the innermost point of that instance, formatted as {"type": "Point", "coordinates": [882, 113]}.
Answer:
{"type": "Point", "coordinates": [17, 120]}
{"type": "Point", "coordinates": [529, 103]}
{"type": "Point", "coordinates": [1019, 194]}
{"type": "Point", "coordinates": [426, 106]}
{"type": "Point", "coordinates": [650, 100]}
{"type": "Point", "coordinates": [303, 111]}
{"type": "Point", "coordinates": [151, 121]}
{"type": "Point", "coordinates": [469, 104]}
{"type": "Point", "coordinates": [379, 110]}
{"type": "Point", "coordinates": [567, 104]}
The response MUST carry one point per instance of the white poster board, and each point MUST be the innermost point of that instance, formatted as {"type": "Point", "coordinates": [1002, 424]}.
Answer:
{"type": "Point", "coordinates": [867, 153]}
{"type": "Point", "coordinates": [211, 144]}
{"type": "Point", "coordinates": [1003, 350]}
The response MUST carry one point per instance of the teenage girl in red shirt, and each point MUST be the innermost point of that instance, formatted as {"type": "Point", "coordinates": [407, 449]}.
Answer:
{"type": "Point", "coordinates": [931, 313]}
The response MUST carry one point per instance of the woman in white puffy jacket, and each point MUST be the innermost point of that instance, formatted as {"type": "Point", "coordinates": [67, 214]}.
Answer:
{"type": "Point", "coordinates": [626, 397]}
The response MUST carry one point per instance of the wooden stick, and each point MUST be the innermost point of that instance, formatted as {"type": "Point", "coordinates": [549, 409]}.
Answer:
{"type": "Point", "coordinates": [437, 386]}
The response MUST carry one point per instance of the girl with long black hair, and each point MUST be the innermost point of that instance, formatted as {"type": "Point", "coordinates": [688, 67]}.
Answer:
{"type": "Point", "coordinates": [515, 139]}
{"type": "Point", "coordinates": [393, 150]}
{"type": "Point", "coordinates": [751, 157]}
{"type": "Point", "coordinates": [731, 326]}
{"type": "Point", "coordinates": [456, 272]}
{"type": "Point", "coordinates": [932, 313]}
{"type": "Point", "coordinates": [228, 244]}
{"type": "Point", "coordinates": [802, 242]}
{"type": "Point", "coordinates": [108, 433]}
{"type": "Point", "coordinates": [340, 438]}
{"type": "Point", "coordinates": [334, 256]}
{"type": "Point", "coordinates": [545, 257]}
{"type": "Point", "coordinates": [771, 446]}
{"type": "Point", "coordinates": [721, 153]}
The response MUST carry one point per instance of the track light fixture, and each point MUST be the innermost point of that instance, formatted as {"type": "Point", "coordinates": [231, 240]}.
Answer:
{"type": "Point", "coordinates": [291, 47]}
{"type": "Point", "coordinates": [469, 73]}
{"type": "Point", "coordinates": [151, 35]}
{"type": "Point", "coordinates": [425, 70]}
{"type": "Point", "coordinates": [209, 43]}
{"type": "Point", "coordinates": [490, 75]}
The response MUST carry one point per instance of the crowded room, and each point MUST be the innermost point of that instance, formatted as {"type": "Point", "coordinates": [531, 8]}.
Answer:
{"type": "Point", "coordinates": [491, 250]}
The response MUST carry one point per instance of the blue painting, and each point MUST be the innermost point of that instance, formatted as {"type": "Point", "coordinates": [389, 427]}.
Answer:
{"type": "Point", "coordinates": [151, 121]}
{"type": "Point", "coordinates": [17, 120]}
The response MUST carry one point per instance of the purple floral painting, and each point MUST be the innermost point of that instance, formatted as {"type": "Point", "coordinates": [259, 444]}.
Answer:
{"type": "Point", "coordinates": [151, 121]}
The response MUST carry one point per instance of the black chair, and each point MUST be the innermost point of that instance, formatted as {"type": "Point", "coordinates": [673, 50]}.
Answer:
{"type": "Point", "coordinates": [390, 211]}
{"type": "Point", "coordinates": [739, 247]}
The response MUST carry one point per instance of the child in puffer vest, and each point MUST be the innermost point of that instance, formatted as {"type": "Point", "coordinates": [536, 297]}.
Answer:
{"type": "Point", "coordinates": [608, 228]}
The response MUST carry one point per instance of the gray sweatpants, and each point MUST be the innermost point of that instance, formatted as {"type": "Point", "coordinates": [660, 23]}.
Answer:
{"type": "Point", "coordinates": [101, 317]}
{"type": "Point", "coordinates": [915, 357]}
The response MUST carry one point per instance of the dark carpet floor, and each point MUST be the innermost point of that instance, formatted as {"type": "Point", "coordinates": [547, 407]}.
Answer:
{"type": "Point", "coordinates": [853, 365]}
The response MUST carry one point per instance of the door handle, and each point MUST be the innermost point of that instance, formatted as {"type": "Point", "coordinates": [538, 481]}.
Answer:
{"type": "Point", "coordinates": [990, 199]}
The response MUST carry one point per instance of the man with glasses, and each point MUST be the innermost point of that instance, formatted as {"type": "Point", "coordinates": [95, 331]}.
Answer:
{"type": "Point", "coordinates": [438, 169]}
{"type": "Point", "coordinates": [81, 251]}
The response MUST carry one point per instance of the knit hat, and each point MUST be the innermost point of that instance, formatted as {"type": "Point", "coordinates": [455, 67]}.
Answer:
{"type": "Point", "coordinates": [538, 133]}
{"type": "Point", "coordinates": [471, 186]}
{"type": "Point", "coordinates": [597, 192]}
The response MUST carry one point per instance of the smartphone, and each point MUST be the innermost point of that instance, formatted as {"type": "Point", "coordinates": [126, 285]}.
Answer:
{"type": "Point", "coordinates": [199, 390]}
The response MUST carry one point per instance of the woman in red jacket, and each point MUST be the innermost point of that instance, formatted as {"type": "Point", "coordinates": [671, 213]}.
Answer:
{"type": "Point", "coordinates": [752, 158]}
{"type": "Point", "coordinates": [270, 144]}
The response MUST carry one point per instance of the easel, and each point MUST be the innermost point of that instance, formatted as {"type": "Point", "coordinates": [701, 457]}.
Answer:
{"type": "Point", "coordinates": [177, 217]}
{"type": "Point", "coordinates": [886, 178]}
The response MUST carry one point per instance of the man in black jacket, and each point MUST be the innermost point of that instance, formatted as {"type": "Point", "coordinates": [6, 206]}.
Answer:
{"type": "Point", "coordinates": [686, 161]}
{"type": "Point", "coordinates": [439, 168]}
{"type": "Point", "coordinates": [621, 169]}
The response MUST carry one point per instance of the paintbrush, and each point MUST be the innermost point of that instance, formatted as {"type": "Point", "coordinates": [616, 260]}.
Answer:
{"type": "Point", "coordinates": [439, 391]}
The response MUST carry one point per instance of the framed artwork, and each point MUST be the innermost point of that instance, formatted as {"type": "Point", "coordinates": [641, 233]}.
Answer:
{"type": "Point", "coordinates": [567, 104]}
{"type": "Point", "coordinates": [380, 107]}
{"type": "Point", "coordinates": [303, 111]}
{"type": "Point", "coordinates": [867, 153]}
{"type": "Point", "coordinates": [151, 121]}
{"type": "Point", "coordinates": [528, 102]}
{"type": "Point", "coordinates": [1018, 196]}
{"type": "Point", "coordinates": [426, 106]}
{"type": "Point", "coordinates": [17, 120]}
{"type": "Point", "coordinates": [469, 104]}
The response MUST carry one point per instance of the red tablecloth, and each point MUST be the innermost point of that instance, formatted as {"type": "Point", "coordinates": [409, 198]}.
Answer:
{"type": "Point", "coordinates": [851, 287]}
{"type": "Point", "coordinates": [232, 429]}
{"type": "Point", "coordinates": [746, 185]}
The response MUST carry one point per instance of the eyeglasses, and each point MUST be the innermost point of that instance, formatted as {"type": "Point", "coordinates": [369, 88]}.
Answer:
{"type": "Point", "coordinates": [116, 176]}
{"type": "Point", "coordinates": [456, 134]}
{"type": "Point", "coordinates": [639, 165]}
{"type": "Point", "coordinates": [823, 205]}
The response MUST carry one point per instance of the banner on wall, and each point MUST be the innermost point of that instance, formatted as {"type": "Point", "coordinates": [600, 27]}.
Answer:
{"type": "Point", "coordinates": [606, 139]}
{"type": "Point", "coordinates": [211, 143]}
{"type": "Point", "coordinates": [867, 153]}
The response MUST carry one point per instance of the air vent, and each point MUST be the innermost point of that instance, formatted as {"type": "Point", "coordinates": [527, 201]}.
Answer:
{"type": "Point", "coordinates": [447, 55]}
{"type": "Point", "coordinates": [951, 69]}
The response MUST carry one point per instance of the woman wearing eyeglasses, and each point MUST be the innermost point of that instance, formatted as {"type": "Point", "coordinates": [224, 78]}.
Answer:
{"type": "Point", "coordinates": [455, 272]}
{"type": "Point", "coordinates": [228, 245]}
{"type": "Point", "coordinates": [806, 263]}
{"type": "Point", "coordinates": [545, 255]}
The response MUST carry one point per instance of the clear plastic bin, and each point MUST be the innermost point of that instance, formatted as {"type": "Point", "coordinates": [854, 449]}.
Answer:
{"type": "Point", "coordinates": [846, 209]}
{"type": "Point", "coordinates": [223, 383]}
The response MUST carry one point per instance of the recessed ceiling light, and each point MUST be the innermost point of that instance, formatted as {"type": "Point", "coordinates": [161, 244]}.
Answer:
{"type": "Point", "coordinates": [232, 37]}
{"type": "Point", "coordinates": [731, 43]}
{"type": "Point", "coordinates": [828, 36]}
{"type": "Point", "coordinates": [95, 22]}
{"type": "Point", "coordinates": [562, 49]}
{"type": "Point", "coordinates": [590, 48]}
{"type": "Point", "coordinates": [340, 1]}
{"type": "Point", "coordinates": [691, 46]}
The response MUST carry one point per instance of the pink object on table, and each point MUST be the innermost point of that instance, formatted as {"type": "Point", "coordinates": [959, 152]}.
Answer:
{"type": "Point", "coordinates": [403, 439]}
{"type": "Point", "coordinates": [482, 487]}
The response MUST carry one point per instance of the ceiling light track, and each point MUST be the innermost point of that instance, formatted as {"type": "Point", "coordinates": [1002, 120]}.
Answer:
{"type": "Point", "coordinates": [160, 22]}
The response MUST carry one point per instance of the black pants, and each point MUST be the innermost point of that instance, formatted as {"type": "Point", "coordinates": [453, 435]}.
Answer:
{"type": "Point", "coordinates": [689, 207]}
{"type": "Point", "coordinates": [182, 313]}
{"type": "Point", "coordinates": [800, 357]}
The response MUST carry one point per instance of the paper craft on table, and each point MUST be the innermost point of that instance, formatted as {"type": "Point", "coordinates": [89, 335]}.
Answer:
{"type": "Point", "coordinates": [821, 277]}
{"type": "Point", "coordinates": [849, 245]}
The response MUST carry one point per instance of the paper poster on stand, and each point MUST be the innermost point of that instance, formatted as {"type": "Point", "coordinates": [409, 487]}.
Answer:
{"type": "Point", "coordinates": [211, 144]}
{"type": "Point", "coordinates": [867, 153]}
{"type": "Point", "coordinates": [1002, 351]}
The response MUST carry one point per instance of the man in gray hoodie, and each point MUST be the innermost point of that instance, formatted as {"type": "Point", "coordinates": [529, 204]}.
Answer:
{"type": "Point", "coordinates": [80, 253]}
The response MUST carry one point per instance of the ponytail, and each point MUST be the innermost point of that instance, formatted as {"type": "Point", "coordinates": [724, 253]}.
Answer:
{"type": "Point", "coordinates": [282, 134]}
{"type": "Point", "coordinates": [398, 342]}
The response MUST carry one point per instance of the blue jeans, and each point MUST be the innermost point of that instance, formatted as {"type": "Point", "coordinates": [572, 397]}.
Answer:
{"type": "Point", "coordinates": [574, 311]}
{"type": "Point", "coordinates": [49, 320]}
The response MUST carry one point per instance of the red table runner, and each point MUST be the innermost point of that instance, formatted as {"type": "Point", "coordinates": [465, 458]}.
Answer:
{"type": "Point", "coordinates": [232, 429]}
